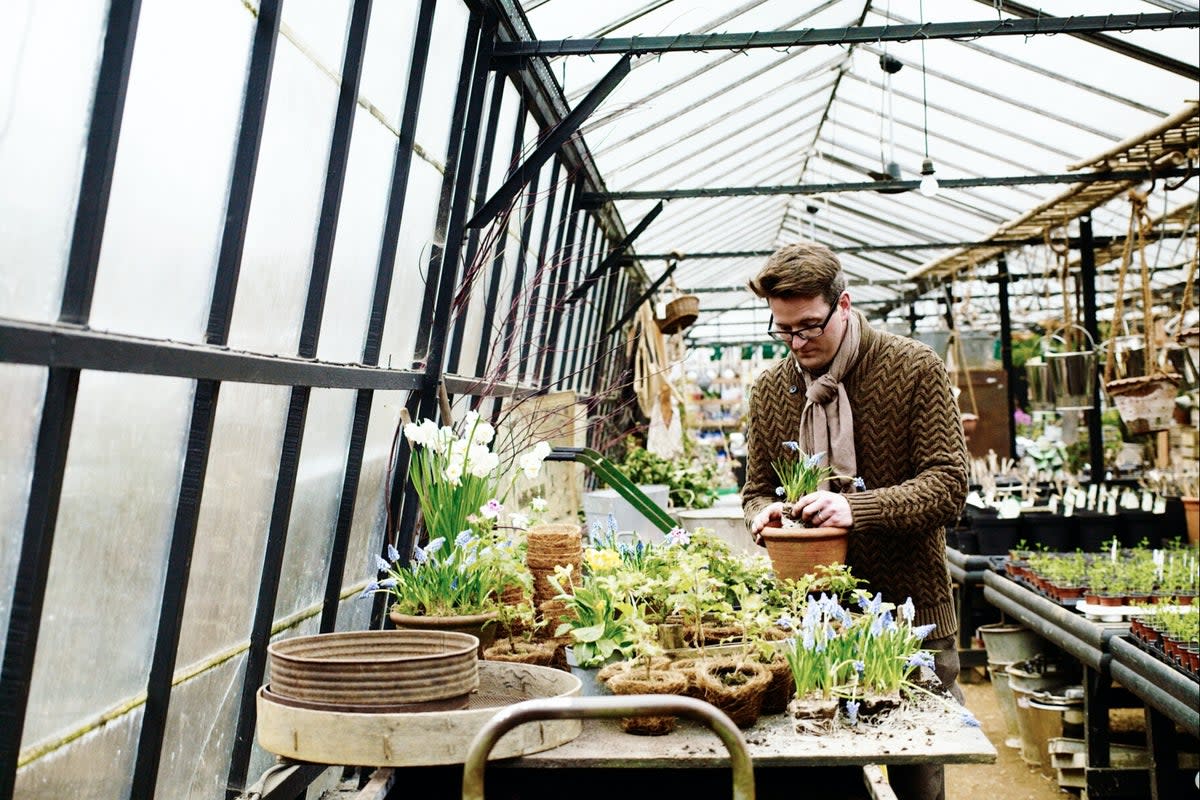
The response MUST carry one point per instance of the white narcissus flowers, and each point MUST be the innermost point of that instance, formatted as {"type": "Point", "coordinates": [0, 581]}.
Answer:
{"type": "Point", "coordinates": [531, 461]}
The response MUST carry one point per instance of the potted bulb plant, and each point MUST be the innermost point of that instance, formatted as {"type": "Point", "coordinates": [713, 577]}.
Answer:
{"type": "Point", "coordinates": [796, 549]}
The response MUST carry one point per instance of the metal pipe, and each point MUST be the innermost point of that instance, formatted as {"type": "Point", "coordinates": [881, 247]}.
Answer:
{"type": "Point", "coordinates": [1159, 674]}
{"type": "Point", "coordinates": [609, 708]}
{"type": "Point", "coordinates": [1074, 624]}
{"type": "Point", "coordinates": [1076, 647]}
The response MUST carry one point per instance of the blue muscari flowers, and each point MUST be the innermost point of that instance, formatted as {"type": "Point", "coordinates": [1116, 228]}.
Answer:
{"type": "Point", "coordinates": [369, 590]}
{"type": "Point", "coordinates": [793, 446]}
{"type": "Point", "coordinates": [907, 610]}
{"type": "Point", "coordinates": [393, 553]}
{"type": "Point", "coordinates": [969, 720]}
{"type": "Point", "coordinates": [859, 667]}
{"type": "Point", "coordinates": [381, 564]}
{"type": "Point", "coordinates": [814, 459]}
{"type": "Point", "coordinates": [922, 631]}
{"type": "Point", "coordinates": [921, 658]}
{"type": "Point", "coordinates": [852, 711]}
{"type": "Point", "coordinates": [779, 492]}
{"type": "Point", "coordinates": [464, 538]}
{"type": "Point", "coordinates": [784, 622]}
{"type": "Point", "coordinates": [860, 485]}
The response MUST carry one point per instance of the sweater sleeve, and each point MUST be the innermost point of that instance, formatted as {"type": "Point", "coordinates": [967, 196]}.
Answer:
{"type": "Point", "coordinates": [935, 493]}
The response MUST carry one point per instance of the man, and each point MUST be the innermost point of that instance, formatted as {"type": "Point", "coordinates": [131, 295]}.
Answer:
{"type": "Point", "coordinates": [880, 407]}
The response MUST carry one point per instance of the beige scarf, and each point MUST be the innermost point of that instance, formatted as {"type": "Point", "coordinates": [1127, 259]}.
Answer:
{"type": "Point", "coordinates": [827, 423]}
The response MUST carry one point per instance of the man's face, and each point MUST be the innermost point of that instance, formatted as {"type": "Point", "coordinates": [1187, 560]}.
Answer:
{"type": "Point", "coordinates": [800, 313]}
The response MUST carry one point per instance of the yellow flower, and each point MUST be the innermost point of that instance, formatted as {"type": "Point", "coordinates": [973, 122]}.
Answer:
{"type": "Point", "coordinates": [602, 560]}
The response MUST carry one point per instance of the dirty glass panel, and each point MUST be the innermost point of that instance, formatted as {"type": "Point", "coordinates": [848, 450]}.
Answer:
{"type": "Point", "coordinates": [20, 416]}
{"type": "Point", "coordinates": [412, 265]}
{"type": "Point", "coordinates": [234, 515]}
{"type": "Point", "coordinates": [356, 248]}
{"type": "Point", "coordinates": [43, 54]}
{"type": "Point", "coordinates": [315, 503]}
{"type": "Point", "coordinates": [318, 29]}
{"type": "Point", "coordinates": [282, 227]}
{"type": "Point", "coordinates": [370, 510]}
{"type": "Point", "coordinates": [96, 766]}
{"type": "Point", "coordinates": [441, 79]}
{"type": "Point", "coordinates": [260, 759]}
{"type": "Point", "coordinates": [385, 63]}
{"type": "Point", "coordinates": [172, 170]}
{"type": "Point", "coordinates": [198, 740]}
{"type": "Point", "coordinates": [106, 570]}
{"type": "Point", "coordinates": [354, 614]}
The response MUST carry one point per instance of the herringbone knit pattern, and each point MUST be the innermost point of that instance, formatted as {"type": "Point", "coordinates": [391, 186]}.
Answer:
{"type": "Point", "coordinates": [911, 454]}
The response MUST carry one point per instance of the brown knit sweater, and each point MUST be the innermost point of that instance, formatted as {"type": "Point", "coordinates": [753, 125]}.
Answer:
{"type": "Point", "coordinates": [910, 452]}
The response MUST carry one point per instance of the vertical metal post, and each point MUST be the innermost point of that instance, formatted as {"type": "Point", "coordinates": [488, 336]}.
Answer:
{"type": "Point", "coordinates": [293, 439]}
{"type": "Point", "coordinates": [508, 339]}
{"type": "Point", "coordinates": [539, 274]}
{"type": "Point", "coordinates": [384, 270]}
{"type": "Point", "coordinates": [1006, 359]}
{"type": "Point", "coordinates": [62, 386]}
{"type": "Point", "coordinates": [1087, 277]}
{"type": "Point", "coordinates": [555, 355]}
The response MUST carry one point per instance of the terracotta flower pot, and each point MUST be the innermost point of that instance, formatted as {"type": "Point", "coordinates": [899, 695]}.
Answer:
{"type": "Point", "coordinates": [796, 552]}
{"type": "Point", "coordinates": [481, 626]}
{"type": "Point", "coordinates": [1191, 510]}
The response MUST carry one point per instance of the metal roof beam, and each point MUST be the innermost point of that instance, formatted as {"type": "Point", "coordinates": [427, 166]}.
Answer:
{"type": "Point", "coordinates": [594, 199]}
{"type": "Point", "coordinates": [1109, 43]}
{"type": "Point", "coordinates": [806, 37]}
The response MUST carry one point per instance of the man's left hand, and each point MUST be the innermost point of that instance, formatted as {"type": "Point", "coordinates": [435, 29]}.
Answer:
{"type": "Point", "coordinates": [824, 510]}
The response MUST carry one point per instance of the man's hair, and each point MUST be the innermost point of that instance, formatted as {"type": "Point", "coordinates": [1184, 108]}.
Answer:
{"type": "Point", "coordinates": [803, 269]}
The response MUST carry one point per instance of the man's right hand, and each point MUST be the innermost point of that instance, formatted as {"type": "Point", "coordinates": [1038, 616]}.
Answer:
{"type": "Point", "coordinates": [771, 515]}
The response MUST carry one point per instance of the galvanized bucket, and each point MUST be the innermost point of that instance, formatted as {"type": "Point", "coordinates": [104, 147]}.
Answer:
{"type": "Point", "coordinates": [1073, 375]}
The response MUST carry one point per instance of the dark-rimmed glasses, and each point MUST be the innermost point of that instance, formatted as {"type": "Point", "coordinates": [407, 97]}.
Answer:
{"type": "Point", "coordinates": [805, 333]}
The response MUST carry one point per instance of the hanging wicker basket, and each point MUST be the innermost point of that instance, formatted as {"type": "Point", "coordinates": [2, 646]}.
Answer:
{"type": "Point", "coordinates": [681, 313]}
{"type": "Point", "coordinates": [1146, 403]}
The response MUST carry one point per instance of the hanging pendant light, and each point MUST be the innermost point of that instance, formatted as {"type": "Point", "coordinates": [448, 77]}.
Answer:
{"type": "Point", "coordinates": [929, 181]}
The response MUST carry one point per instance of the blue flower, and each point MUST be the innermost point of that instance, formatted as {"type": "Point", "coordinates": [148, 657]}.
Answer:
{"type": "Point", "coordinates": [907, 611]}
{"type": "Point", "coordinates": [807, 639]}
{"type": "Point", "coordinates": [434, 546]}
{"type": "Point", "coordinates": [779, 492]}
{"type": "Point", "coordinates": [852, 711]}
{"type": "Point", "coordinates": [969, 720]}
{"type": "Point", "coordinates": [814, 459]}
{"type": "Point", "coordinates": [921, 658]}
{"type": "Point", "coordinates": [924, 630]}
{"type": "Point", "coordinates": [387, 583]}
{"type": "Point", "coordinates": [793, 446]}
{"type": "Point", "coordinates": [419, 556]}
{"type": "Point", "coordinates": [860, 485]}
{"type": "Point", "coordinates": [370, 590]}
{"type": "Point", "coordinates": [381, 565]}
{"type": "Point", "coordinates": [860, 667]}
{"type": "Point", "coordinates": [464, 538]}
{"type": "Point", "coordinates": [392, 553]}
{"type": "Point", "coordinates": [612, 523]}
{"type": "Point", "coordinates": [784, 622]}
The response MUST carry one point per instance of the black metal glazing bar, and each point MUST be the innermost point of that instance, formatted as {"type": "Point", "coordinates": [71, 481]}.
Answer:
{"type": "Point", "coordinates": [568, 265]}
{"type": "Point", "coordinates": [289, 461]}
{"type": "Point", "coordinates": [491, 306]}
{"type": "Point", "coordinates": [639, 45]}
{"type": "Point", "coordinates": [551, 268]}
{"type": "Point", "coordinates": [447, 271]}
{"type": "Point", "coordinates": [384, 272]}
{"type": "Point", "coordinates": [576, 315]}
{"type": "Point", "coordinates": [564, 130]}
{"type": "Point", "coordinates": [402, 502]}
{"type": "Point", "coordinates": [1087, 279]}
{"type": "Point", "coordinates": [462, 301]}
{"type": "Point", "coordinates": [204, 401]}
{"type": "Point", "coordinates": [508, 338]}
{"type": "Point", "coordinates": [446, 197]}
{"type": "Point", "coordinates": [1006, 358]}
{"type": "Point", "coordinates": [58, 405]}
{"type": "Point", "coordinates": [268, 589]}
{"type": "Point", "coordinates": [592, 199]}
{"type": "Point", "coordinates": [616, 254]}
{"type": "Point", "coordinates": [654, 287]}
{"type": "Point", "coordinates": [599, 343]}
{"type": "Point", "coordinates": [532, 318]}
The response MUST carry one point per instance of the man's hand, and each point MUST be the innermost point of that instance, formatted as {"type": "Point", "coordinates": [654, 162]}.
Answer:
{"type": "Point", "coordinates": [823, 510]}
{"type": "Point", "coordinates": [771, 515]}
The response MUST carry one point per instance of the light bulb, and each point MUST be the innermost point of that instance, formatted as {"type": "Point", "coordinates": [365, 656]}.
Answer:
{"type": "Point", "coordinates": [929, 183]}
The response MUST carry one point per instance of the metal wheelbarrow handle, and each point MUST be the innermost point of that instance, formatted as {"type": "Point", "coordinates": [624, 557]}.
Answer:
{"type": "Point", "coordinates": [608, 708]}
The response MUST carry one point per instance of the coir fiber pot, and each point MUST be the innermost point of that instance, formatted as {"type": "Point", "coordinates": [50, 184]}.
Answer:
{"type": "Point", "coordinates": [796, 552]}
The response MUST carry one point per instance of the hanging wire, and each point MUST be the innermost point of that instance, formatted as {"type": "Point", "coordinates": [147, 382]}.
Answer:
{"type": "Point", "coordinates": [924, 84]}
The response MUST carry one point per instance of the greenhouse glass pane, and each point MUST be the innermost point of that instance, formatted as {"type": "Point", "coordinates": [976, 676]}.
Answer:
{"type": "Point", "coordinates": [110, 546]}
{"type": "Point", "coordinates": [198, 740]}
{"type": "Point", "coordinates": [441, 78]}
{"type": "Point", "coordinates": [20, 416]}
{"type": "Point", "coordinates": [356, 247]}
{"type": "Point", "coordinates": [43, 54]}
{"type": "Point", "coordinates": [261, 760]}
{"type": "Point", "coordinates": [235, 512]}
{"type": "Point", "coordinates": [315, 502]}
{"type": "Point", "coordinates": [318, 29]}
{"type": "Point", "coordinates": [96, 766]}
{"type": "Point", "coordinates": [411, 266]}
{"type": "Point", "coordinates": [281, 232]}
{"type": "Point", "coordinates": [385, 64]}
{"type": "Point", "coordinates": [167, 209]}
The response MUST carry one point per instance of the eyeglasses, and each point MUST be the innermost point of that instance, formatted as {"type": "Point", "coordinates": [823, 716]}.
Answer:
{"type": "Point", "coordinates": [805, 333]}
